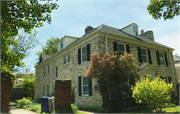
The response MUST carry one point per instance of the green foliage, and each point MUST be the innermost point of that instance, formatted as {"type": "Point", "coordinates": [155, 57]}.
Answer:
{"type": "Point", "coordinates": [7, 75]}
{"type": "Point", "coordinates": [72, 96]}
{"type": "Point", "coordinates": [28, 86]}
{"type": "Point", "coordinates": [163, 9]}
{"type": "Point", "coordinates": [155, 93]}
{"type": "Point", "coordinates": [49, 49]}
{"type": "Point", "coordinates": [23, 102]}
{"type": "Point", "coordinates": [94, 109]}
{"type": "Point", "coordinates": [16, 15]}
{"type": "Point", "coordinates": [135, 109]}
{"type": "Point", "coordinates": [112, 74]}
{"type": "Point", "coordinates": [27, 104]}
{"type": "Point", "coordinates": [72, 109]}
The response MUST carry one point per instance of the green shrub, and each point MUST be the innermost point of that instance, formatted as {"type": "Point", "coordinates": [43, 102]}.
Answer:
{"type": "Point", "coordinates": [94, 109]}
{"type": "Point", "coordinates": [135, 108]}
{"type": "Point", "coordinates": [23, 102]}
{"type": "Point", "coordinates": [155, 93]}
{"type": "Point", "coordinates": [72, 96]}
{"type": "Point", "coordinates": [28, 86]}
{"type": "Point", "coordinates": [72, 109]}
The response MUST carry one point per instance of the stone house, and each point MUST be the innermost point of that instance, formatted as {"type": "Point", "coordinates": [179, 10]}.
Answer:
{"type": "Point", "coordinates": [71, 61]}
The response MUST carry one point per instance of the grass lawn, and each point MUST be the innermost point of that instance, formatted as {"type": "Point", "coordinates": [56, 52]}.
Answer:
{"type": "Point", "coordinates": [172, 109]}
{"type": "Point", "coordinates": [79, 112]}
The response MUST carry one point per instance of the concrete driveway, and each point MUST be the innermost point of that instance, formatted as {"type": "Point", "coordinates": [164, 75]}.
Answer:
{"type": "Point", "coordinates": [15, 110]}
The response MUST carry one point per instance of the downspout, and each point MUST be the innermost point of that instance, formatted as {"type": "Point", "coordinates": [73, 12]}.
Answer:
{"type": "Point", "coordinates": [106, 43]}
{"type": "Point", "coordinates": [172, 73]}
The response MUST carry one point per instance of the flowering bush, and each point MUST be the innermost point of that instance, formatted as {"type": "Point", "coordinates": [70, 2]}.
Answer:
{"type": "Point", "coordinates": [155, 93]}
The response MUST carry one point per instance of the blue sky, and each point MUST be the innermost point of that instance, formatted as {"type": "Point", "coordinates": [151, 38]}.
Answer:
{"type": "Point", "coordinates": [72, 17]}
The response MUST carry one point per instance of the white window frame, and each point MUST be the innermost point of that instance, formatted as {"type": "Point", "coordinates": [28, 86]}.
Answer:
{"type": "Point", "coordinates": [144, 55]}
{"type": "Point", "coordinates": [134, 30]}
{"type": "Point", "coordinates": [83, 86]}
{"type": "Point", "coordinates": [83, 54]}
{"type": "Point", "coordinates": [67, 56]}
{"type": "Point", "coordinates": [44, 71]}
{"type": "Point", "coordinates": [118, 48]}
{"type": "Point", "coordinates": [61, 44]}
{"type": "Point", "coordinates": [163, 59]}
{"type": "Point", "coordinates": [56, 72]}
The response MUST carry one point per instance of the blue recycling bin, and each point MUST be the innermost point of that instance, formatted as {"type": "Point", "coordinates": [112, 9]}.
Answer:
{"type": "Point", "coordinates": [44, 105]}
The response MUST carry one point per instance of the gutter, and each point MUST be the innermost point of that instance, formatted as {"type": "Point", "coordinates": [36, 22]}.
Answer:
{"type": "Point", "coordinates": [172, 73]}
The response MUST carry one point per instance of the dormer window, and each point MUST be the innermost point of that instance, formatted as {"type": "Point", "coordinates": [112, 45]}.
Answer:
{"type": "Point", "coordinates": [61, 45]}
{"type": "Point", "coordinates": [135, 31]}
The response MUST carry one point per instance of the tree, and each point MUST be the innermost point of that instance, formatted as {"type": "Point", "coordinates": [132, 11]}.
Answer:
{"type": "Point", "coordinates": [164, 9]}
{"type": "Point", "coordinates": [16, 15]}
{"type": "Point", "coordinates": [28, 86]}
{"type": "Point", "coordinates": [155, 93]}
{"type": "Point", "coordinates": [49, 49]}
{"type": "Point", "coordinates": [113, 75]}
{"type": "Point", "coordinates": [19, 47]}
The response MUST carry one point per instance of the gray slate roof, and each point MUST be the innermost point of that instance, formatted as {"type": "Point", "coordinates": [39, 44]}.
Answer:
{"type": "Point", "coordinates": [118, 32]}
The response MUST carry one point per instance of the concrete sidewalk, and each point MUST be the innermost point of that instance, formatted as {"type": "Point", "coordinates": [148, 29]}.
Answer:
{"type": "Point", "coordinates": [15, 110]}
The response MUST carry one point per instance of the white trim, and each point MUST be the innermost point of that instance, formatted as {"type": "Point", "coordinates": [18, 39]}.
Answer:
{"type": "Point", "coordinates": [163, 59]}
{"type": "Point", "coordinates": [146, 56]}
{"type": "Point", "coordinates": [82, 87]}
{"type": "Point", "coordinates": [118, 47]}
{"type": "Point", "coordinates": [66, 56]}
{"type": "Point", "coordinates": [84, 54]}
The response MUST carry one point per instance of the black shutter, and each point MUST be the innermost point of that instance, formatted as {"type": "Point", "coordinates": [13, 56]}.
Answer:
{"type": "Point", "coordinates": [166, 59]}
{"type": "Point", "coordinates": [79, 56]}
{"type": "Point", "coordinates": [169, 78]}
{"type": "Point", "coordinates": [90, 87]}
{"type": "Point", "coordinates": [79, 85]}
{"type": "Point", "coordinates": [127, 48]}
{"type": "Point", "coordinates": [88, 52]}
{"type": "Point", "coordinates": [158, 60]}
{"type": "Point", "coordinates": [139, 54]}
{"type": "Point", "coordinates": [115, 46]}
{"type": "Point", "coordinates": [149, 56]}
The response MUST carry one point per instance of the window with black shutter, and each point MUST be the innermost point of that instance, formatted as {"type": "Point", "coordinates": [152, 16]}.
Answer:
{"type": "Point", "coordinates": [158, 60]}
{"type": "Point", "coordinates": [165, 56]}
{"type": "Point", "coordinates": [115, 46]}
{"type": "Point", "coordinates": [127, 48]}
{"type": "Point", "coordinates": [79, 86]}
{"type": "Point", "coordinates": [139, 54]}
{"type": "Point", "coordinates": [149, 56]}
{"type": "Point", "coordinates": [79, 56]}
{"type": "Point", "coordinates": [90, 87]}
{"type": "Point", "coordinates": [88, 52]}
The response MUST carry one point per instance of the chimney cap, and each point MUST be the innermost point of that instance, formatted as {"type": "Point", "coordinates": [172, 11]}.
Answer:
{"type": "Point", "coordinates": [142, 31]}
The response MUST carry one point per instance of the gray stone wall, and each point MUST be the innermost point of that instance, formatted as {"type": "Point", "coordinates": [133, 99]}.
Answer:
{"type": "Point", "coordinates": [72, 70]}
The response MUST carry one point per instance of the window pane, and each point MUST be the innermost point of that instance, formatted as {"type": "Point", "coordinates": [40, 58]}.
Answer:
{"type": "Point", "coordinates": [162, 61]}
{"type": "Point", "coordinates": [160, 55]}
{"type": "Point", "coordinates": [85, 90]}
{"type": "Point", "coordinates": [84, 57]}
{"type": "Point", "coordinates": [61, 44]}
{"type": "Point", "coordinates": [144, 58]}
{"type": "Point", "coordinates": [134, 28]}
{"type": "Point", "coordinates": [143, 51]}
{"type": "Point", "coordinates": [64, 59]}
{"type": "Point", "coordinates": [84, 50]}
{"type": "Point", "coordinates": [121, 47]}
{"type": "Point", "coordinates": [68, 58]}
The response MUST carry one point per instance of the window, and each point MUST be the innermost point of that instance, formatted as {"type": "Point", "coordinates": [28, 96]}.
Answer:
{"type": "Point", "coordinates": [121, 49]}
{"type": "Point", "coordinates": [47, 90]}
{"type": "Point", "coordinates": [66, 59]}
{"type": "Point", "coordinates": [61, 45]}
{"type": "Point", "coordinates": [43, 91]}
{"type": "Point", "coordinates": [135, 31]}
{"type": "Point", "coordinates": [144, 55]}
{"type": "Point", "coordinates": [161, 58]}
{"type": "Point", "coordinates": [44, 71]}
{"type": "Point", "coordinates": [56, 72]}
{"type": "Point", "coordinates": [85, 86]}
{"type": "Point", "coordinates": [84, 54]}
{"type": "Point", "coordinates": [48, 69]}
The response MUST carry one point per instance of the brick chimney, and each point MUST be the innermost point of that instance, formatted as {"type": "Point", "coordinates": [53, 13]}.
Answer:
{"type": "Point", "coordinates": [142, 31]}
{"type": "Point", "coordinates": [88, 29]}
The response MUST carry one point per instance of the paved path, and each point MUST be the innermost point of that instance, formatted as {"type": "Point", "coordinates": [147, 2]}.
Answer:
{"type": "Point", "coordinates": [15, 110]}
